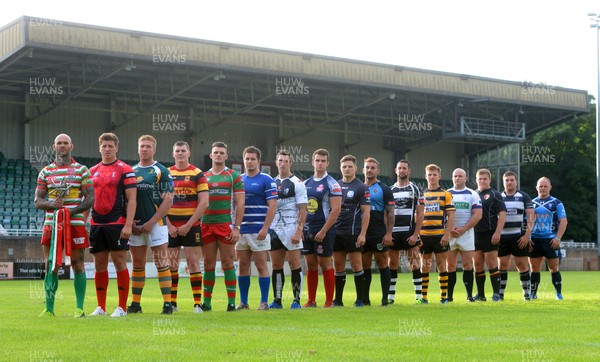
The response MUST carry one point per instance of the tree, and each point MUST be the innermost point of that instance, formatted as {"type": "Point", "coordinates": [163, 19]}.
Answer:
{"type": "Point", "coordinates": [566, 154]}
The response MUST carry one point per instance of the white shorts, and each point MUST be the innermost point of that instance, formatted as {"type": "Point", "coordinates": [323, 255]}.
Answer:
{"type": "Point", "coordinates": [158, 235]}
{"type": "Point", "coordinates": [285, 236]}
{"type": "Point", "coordinates": [250, 242]}
{"type": "Point", "coordinates": [465, 242]}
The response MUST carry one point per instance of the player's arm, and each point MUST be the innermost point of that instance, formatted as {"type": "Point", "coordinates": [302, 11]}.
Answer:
{"type": "Point", "coordinates": [476, 215]}
{"type": "Point", "coordinates": [200, 210]}
{"type": "Point", "coordinates": [449, 226]}
{"type": "Point", "coordinates": [240, 204]}
{"type": "Point", "coordinates": [41, 203]}
{"type": "Point", "coordinates": [389, 218]}
{"type": "Point", "coordinates": [299, 223]}
{"type": "Point", "coordinates": [172, 229]}
{"type": "Point", "coordinates": [262, 233]}
{"type": "Point", "coordinates": [366, 216]}
{"type": "Point", "coordinates": [336, 206]}
{"type": "Point", "coordinates": [499, 227]}
{"type": "Point", "coordinates": [419, 218]}
{"type": "Point", "coordinates": [525, 240]}
{"type": "Point", "coordinates": [87, 202]}
{"type": "Point", "coordinates": [562, 227]}
{"type": "Point", "coordinates": [131, 196]}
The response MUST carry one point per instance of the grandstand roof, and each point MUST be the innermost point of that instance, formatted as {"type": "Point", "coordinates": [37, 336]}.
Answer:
{"type": "Point", "coordinates": [129, 73]}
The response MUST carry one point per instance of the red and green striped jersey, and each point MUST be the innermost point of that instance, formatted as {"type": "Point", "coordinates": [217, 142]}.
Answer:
{"type": "Point", "coordinates": [189, 182]}
{"type": "Point", "coordinates": [74, 176]}
{"type": "Point", "coordinates": [221, 188]}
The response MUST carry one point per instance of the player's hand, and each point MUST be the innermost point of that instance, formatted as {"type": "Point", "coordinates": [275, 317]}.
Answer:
{"type": "Point", "coordinates": [320, 236]}
{"type": "Point", "coordinates": [388, 240]}
{"type": "Point", "coordinates": [147, 227]}
{"type": "Point", "coordinates": [262, 234]}
{"type": "Point", "coordinates": [360, 240]}
{"type": "Point", "coordinates": [172, 230]}
{"type": "Point", "coordinates": [555, 243]}
{"type": "Point", "coordinates": [58, 203]}
{"type": "Point", "coordinates": [234, 236]}
{"type": "Point", "coordinates": [183, 230]}
{"type": "Point", "coordinates": [445, 241]}
{"type": "Point", "coordinates": [412, 240]}
{"type": "Point", "coordinates": [126, 232]}
{"type": "Point", "coordinates": [297, 237]}
{"type": "Point", "coordinates": [455, 232]}
{"type": "Point", "coordinates": [496, 239]}
{"type": "Point", "coordinates": [523, 242]}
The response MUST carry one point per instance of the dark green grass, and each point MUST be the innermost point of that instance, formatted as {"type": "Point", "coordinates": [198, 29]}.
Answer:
{"type": "Point", "coordinates": [512, 330]}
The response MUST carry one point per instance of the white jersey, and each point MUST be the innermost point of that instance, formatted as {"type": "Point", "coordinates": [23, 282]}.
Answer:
{"type": "Point", "coordinates": [465, 201]}
{"type": "Point", "coordinates": [291, 192]}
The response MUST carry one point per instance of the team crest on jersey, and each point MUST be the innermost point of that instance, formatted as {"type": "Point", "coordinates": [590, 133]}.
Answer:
{"type": "Point", "coordinates": [350, 194]}
{"type": "Point", "coordinates": [96, 174]}
{"type": "Point", "coordinates": [320, 188]}
{"type": "Point", "coordinates": [286, 191]}
{"type": "Point", "coordinates": [486, 196]}
{"type": "Point", "coordinates": [215, 184]}
{"type": "Point", "coordinates": [374, 191]}
{"type": "Point", "coordinates": [187, 178]}
{"type": "Point", "coordinates": [139, 179]}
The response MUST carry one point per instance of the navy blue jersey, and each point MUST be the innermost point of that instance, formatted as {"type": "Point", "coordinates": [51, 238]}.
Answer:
{"type": "Point", "coordinates": [381, 198]}
{"type": "Point", "coordinates": [319, 191]}
{"type": "Point", "coordinates": [259, 189]}
{"type": "Point", "coordinates": [516, 205]}
{"type": "Point", "coordinates": [354, 195]}
{"type": "Point", "coordinates": [492, 204]}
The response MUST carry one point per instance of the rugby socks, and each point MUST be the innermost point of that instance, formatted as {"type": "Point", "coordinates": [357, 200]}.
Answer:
{"type": "Point", "coordinates": [393, 281]}
{"type": "Point", "coordinates": [230, 284]}
{"type": "Point", "coordinates": [244, 283]}
{"type": "Point", "coordinates": [384, 277]}
{"type": "Point", "coordinates": [451, 284]}
{"type": "Point", "coordinates": [174, 286]}
{"type": "Point", "coordinates": [340, 282]}
{"type": "Point", "coordinates": [196, 284]}
{"type": "Point", "coordinates": [525, 282]}
{"type": "Point", "coordinates": [123, 287]}
{"type": "Point", "coordinates": [264, 284]}
{"type": "Point", "coordinates": [417, 278]}
{"type": "Point", "coordinates": [101, 283]}
{"type": "Point", "coordinates": [535, 282]}
{"type": "Point", "coordinates": [138, 280]}
{"type": "Point", "coordinates": [164, 281]}
{"type": "Point", "coordinates": [557, 281]}
{"type": "Point", "coordinates": [208, 285]}
{"type": "Point", "coordinates": [297, 284]}
{"type": "Point", "coordinates": [424, 285]}
{"type": "Point", "coordinates": [80, 283]}
{"type": "Point", "coordinates": [329, 284]}
{"type": "Point", "coordinates": [495, 280]}
{"type": "Point", "coordinates": [503, 281]}
{"type": "Point", "coordinates": [359, 281]}
{"type": "Point", "coordinates": [278, 281]}
{"type": "Point", "coordinates": [468, 282]}
{"type": "Point", "coordinates": [367, 286]}
{"type": "Point", "coordinates": [480, 281]}
{"type": "Point", "coordinates": [50, 287]}
{"type": "Point", "coordinates": [312, 282]}
{"type": "Point", "coordinates": [443, 280]}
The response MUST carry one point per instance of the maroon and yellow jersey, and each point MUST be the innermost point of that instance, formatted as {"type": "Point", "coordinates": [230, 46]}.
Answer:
{"type": "Point", "coordinates": [110, 182]}
{"type": "Point", "coordinates": [188, 182]}
{"type": "Point", "coordinates": [437, 203]}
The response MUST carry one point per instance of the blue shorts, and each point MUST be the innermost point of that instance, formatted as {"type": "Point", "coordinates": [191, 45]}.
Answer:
{"type": "Point", "coordinates": [324, 248]}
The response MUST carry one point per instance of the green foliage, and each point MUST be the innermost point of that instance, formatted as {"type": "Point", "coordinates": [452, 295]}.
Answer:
{"type": "Point", "coordinates": [512, 330]}
{"type": "Point", "coordinates": [571, 171]}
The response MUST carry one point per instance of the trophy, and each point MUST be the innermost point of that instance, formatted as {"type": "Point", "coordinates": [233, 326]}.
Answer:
{"type": "Point", "coordinates": [61, 189]}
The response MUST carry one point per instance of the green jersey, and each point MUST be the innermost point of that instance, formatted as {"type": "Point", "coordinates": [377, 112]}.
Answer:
{"type": "Point", "coordinates": [152, 182]}
{"type": "Point", "coordinates": [221, 188]}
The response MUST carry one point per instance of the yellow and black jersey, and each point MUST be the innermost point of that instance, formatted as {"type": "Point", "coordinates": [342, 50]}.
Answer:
{"type": "Point", "coordinates": [437, 203]}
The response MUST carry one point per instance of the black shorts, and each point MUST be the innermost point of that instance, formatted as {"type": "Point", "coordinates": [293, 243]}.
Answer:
{"type": "Point", "coordinates": [432, 244]}
{"type": "Point", "coordinates": [400, 242]}
{"type": "Point", "coordinates": [107, 237]}
{"type": "Point", "coordinates": [346, 243]}
{"type": "Point", "coordinates": [374, 243]}
{"type": "Point", "coordinates": [324, 248]}
{"type": "Point", "coordinates": [192, 238]}
{"type": "Point", "coordinates": [483, 241]}
{"type": "Point", "coordinates": [509, 245]}
{"type": "Point", "coordinates": [542, 247]}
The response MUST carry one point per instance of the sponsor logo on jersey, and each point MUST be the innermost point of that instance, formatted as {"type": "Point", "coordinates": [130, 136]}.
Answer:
{"type": "Point", "coordinates": [313, 205]}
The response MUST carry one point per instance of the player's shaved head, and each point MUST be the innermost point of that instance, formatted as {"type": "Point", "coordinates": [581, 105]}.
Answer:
{"type": "Point", "coordinates": [62, 136]}
{"type": "Point", "coordinates": [459, 171]}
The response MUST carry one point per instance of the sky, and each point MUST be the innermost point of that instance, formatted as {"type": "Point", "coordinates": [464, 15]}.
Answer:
{"type": "Point", "coordinates": [547, 42]}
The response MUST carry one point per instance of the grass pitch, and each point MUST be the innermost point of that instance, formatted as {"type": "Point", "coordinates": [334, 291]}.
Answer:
{"type": "Point", "coordinates": [513, 330]}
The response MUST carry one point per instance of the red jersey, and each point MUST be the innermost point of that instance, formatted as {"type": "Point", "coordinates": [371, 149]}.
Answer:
{"type": "Point", "coordinates": [110, 182]}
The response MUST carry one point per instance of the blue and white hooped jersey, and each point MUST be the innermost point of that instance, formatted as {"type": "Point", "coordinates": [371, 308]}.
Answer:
{"type": "Point", "coordinates": [548, 211]}
{"type": "Point", "coordinates": [259, 189]}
